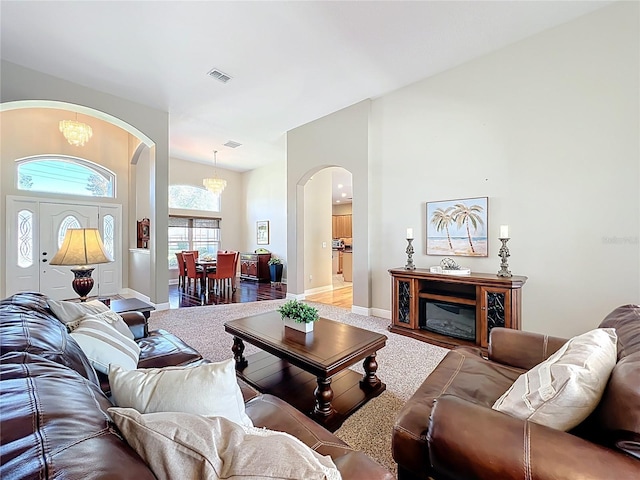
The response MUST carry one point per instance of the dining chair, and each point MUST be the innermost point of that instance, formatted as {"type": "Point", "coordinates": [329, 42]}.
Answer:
{"type": "Point", "coordinates": [196, 253]}
{"type": "Point", "coordinates": [181, 270]}
{"type": "Point", "coordinates": [193, 271]}
{"type": "Point", "coordinates": [225, 269]}
{"type": "Point", "coordinates": [235, 270]}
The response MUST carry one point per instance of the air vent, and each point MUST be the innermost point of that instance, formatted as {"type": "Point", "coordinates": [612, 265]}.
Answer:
{"type": "Point", "coordinates": [232, 144]}
{"type": "Point", "coordinates": [218, 75]}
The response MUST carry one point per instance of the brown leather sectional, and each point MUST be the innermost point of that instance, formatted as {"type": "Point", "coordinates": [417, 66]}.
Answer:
{"type": "Point", "coordinates": [54, 411]}
{"type": "Point", "coordinates": [448, 429]}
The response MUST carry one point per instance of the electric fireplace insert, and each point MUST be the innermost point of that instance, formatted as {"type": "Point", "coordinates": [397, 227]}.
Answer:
{"type": "Point", "coordinates": [448, 318]}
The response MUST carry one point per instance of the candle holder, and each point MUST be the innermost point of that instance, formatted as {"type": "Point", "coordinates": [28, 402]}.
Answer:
{"type": "Point", "coordinates": [504, 254]}
{"type": "Point", "coordinates": [409, 265]}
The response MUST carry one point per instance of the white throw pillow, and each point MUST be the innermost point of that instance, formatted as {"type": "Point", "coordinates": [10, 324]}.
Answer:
{"type": "Point", "coordinates": [104, 345]}
{"type": "Point", "coordinates": [208, 389]}
{"type": "Point", "coordinates": [182, 445]}
{"type": "Point", "coordinates": [563, 390]}
{"type": "Point", "coordinates": [71, 313]}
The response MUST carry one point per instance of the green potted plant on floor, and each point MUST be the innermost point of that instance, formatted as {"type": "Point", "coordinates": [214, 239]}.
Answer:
{"type": "Point", "coordinates": [275, 269]}
{"type": "Point", "coordinates": [298, 315]}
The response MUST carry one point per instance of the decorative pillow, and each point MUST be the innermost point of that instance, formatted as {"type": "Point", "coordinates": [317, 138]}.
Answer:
{"type": "Point", "coordinates": [564, 389]}
{"type": "Point", "coordinates": [104, 345]}
{"type": "Point", "coordinates": [208, 389]}
{"type": "Point", "coordinates": [71, 313]}
{"type": "Point", "coordinates": [183, 445]}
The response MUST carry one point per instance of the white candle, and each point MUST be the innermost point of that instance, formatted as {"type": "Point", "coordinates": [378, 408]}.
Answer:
{"type": "Point", "coordinates": [504, 231]}
{"type": "Point", "coordinates": [409, 233]}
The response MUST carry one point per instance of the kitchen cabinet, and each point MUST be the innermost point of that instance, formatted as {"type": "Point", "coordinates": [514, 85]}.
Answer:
{"type": "Point", "coordinates": [342, 226]}
{"type": "Point", "coordinates": [347, 266]}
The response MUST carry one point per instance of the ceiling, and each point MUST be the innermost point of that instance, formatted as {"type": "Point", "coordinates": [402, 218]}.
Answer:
{"type": "Point", "coordinates": [289, 62]}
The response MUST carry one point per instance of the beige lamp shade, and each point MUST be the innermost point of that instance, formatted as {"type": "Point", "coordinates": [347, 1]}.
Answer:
{"type": "Point", "coordinates": [81, 246]}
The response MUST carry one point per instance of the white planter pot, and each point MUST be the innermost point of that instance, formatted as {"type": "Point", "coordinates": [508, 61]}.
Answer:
{"type": "Point", "coordinates": [301, 327]}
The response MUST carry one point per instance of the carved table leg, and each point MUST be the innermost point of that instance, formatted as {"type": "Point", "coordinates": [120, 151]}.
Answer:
{"type": "Point", "coordinates": [237, 349]}
{"type": "Point", "coordinates": [324, 395]}
{"type": "Point", "coordinates": [370, 380]}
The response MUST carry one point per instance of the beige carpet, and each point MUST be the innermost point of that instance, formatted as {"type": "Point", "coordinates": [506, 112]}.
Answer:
{"type": "Point", "coordinates": [403, 364]}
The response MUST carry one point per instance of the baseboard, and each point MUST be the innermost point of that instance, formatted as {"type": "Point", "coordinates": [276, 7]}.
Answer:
{"type": "Point", "coordinates": [325, 288]}
{"type": "Point", "coordinates": [378, 312]}
{"type": "Point", "coordinates": [295, 296]}
{"type": "Point", "coordinates": [361, 310]}
{"type": "Point", "coordinates": [371, 312]}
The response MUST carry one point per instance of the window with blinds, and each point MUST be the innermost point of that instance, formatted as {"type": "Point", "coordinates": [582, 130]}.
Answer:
{"type": "Point", "coordinates": [191, 233]}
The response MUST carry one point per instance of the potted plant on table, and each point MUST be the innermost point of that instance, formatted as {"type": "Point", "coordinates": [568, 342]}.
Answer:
{"type": "Point", "coordinates": [275, 269]}
{"type": "Point", "coordinates": [299, 316]}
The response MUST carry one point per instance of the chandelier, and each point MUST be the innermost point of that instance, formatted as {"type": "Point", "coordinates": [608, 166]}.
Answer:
{"type": "Point", "coordinates": [76, 133]}
{"type": "Point", "coordinates": [214, 184]}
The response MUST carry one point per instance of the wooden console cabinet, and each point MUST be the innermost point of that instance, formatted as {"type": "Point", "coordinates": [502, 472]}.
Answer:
{"type": "Point", "coordinates": [255, 266]}
{"type": "Point", "coordinates": [497, 302]}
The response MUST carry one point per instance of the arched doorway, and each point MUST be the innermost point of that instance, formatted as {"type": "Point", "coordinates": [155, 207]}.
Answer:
{"type": "Point", "coordinates": [328, 244]}
{"type": "Point", "coordinates": [32, 132]}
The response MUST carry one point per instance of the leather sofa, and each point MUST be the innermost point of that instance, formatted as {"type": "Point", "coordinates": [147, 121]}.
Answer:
{"type": "Point", "coordinates": [448, 430]}
{"type": "Point", "coordinates": [53, 406]}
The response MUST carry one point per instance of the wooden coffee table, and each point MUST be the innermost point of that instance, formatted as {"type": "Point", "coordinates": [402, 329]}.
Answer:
{"type": "Point", "coordinates": [309, 371]}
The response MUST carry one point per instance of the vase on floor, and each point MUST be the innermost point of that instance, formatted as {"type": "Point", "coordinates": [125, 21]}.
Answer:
{"type": "Point", "coordinates": [275, 271]}
{"type": "Point", "coordinates": [300, 326]}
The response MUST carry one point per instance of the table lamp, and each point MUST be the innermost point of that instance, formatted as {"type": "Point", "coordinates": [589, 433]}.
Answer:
{"type": "Point", "coordinates": [81, 247]}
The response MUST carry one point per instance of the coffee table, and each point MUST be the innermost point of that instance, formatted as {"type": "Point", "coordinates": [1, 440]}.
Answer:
{"type": "Point", "coordinates": [309, 371]}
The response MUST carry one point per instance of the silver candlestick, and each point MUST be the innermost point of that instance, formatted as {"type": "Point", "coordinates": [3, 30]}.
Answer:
{"type": "Point", "coordinates": [409, 265]}
{"type": "Point", "coordinates": [504, 254]}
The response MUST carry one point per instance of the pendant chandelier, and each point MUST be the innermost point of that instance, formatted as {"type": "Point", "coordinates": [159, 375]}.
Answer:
{"type": "Point", "coordinates": [214, 184]}
{"type": "Point", "coordinates": [76, 133]}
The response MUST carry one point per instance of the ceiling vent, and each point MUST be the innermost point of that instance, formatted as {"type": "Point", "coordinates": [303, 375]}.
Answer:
{"type": "Point", "coordinates": [232, 144]}
{"type": "Point", "coordinates": [218, 75]}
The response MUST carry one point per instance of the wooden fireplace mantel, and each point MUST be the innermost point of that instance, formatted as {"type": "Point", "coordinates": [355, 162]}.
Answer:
{"type": "Point", "coordinates": [497, 302]}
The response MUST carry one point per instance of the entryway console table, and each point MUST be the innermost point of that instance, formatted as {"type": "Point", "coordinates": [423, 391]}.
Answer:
{"type": "Point", "coordinates": [451, 310]}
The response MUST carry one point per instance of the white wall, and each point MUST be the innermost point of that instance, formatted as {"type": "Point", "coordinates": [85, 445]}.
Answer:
{"type": "Point", "coordinates": [548, 129]}
{"type": "Point", "coordinates": [342, 140]}
{"type": "Point", "coordinates": [265, 198]}
{"type": "Point", "coordinates": [317, 232]}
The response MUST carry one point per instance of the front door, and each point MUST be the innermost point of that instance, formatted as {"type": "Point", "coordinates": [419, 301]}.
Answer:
{"type": "Point", "coordinates": [55, 219]}
{"type": "Point", "coordinates": [34, 235]}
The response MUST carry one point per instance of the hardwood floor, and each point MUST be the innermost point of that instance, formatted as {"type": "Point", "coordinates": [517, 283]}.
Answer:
{"type": "Point", "coordinates": [340, 297]}
{"type": "Point", "coordinates": [246, 291]}
{"type": "Point", "coordinates": [251, 291]}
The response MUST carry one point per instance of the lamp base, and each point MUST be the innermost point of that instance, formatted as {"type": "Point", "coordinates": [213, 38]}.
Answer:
{"type": "Point", "coordinates": [82, 283]}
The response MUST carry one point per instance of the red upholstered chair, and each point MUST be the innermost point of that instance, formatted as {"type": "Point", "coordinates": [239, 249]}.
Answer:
{"type": "Point", "coordinates": [225, 269]}
{"type": "Point", "coordinates": [181, 270]}
{"type": "Point", "coordinates": [193, 271]}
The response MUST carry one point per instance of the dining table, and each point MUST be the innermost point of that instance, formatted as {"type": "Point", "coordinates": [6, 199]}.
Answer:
{"type": "Point", "coordinates": [208, 266]}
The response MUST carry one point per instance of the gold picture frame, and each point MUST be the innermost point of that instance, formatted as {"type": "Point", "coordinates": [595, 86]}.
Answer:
{"type": "Point", "coordinates": [262, 232]}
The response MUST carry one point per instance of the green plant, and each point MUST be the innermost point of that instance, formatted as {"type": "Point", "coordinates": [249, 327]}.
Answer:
{"type": "Point", "coordinates": [275, 261]}
{"type": "Point", "coordinates": [299, 312]}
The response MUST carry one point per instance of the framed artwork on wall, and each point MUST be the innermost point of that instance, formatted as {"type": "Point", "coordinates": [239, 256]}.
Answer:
{"type": "Point", "coordinates": [262, 229]}
{"type": "Point", "coordinates": [458, 227]}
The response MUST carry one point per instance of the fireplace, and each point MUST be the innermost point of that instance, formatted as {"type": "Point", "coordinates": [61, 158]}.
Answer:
{"type": "Point", "coordinates": [448, 318]}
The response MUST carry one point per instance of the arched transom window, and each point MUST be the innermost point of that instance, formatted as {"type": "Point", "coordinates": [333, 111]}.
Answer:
{"type": "Point", "coordinates": [65, 175]}
{"type": "Point", "coordinates": [193, 198]}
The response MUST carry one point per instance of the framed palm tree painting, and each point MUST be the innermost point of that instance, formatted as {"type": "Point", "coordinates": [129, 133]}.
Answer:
{"type": "Point", "coordinates": [458, 227]}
